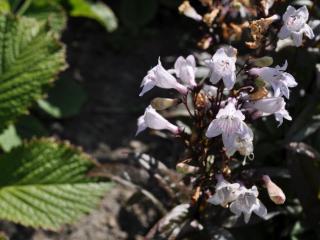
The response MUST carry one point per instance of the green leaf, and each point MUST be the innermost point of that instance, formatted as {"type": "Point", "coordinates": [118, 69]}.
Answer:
{"type": "Point", "coordinates": [65, 99]}
{"type": "Point", "coordinates": [48, 12]}
{"type": "Point", "coordinates": [97, 11]}
{"type": "Point", "coordinates": [30, 58]}
{"type": "Point", "coordinates": [136, 14]}
{"type": "Point", "coordinates": [9, 139]}
{"type": "Point", "coordinates": [44, 184]}
{"type": "Point", "coordinates": [4, 6]}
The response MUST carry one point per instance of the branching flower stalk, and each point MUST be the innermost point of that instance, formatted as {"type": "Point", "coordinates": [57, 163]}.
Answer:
{"type": "Point", "coordinates": [222, 109]}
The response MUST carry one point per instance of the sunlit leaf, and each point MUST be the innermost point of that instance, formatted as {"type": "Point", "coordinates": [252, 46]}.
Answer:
{"type": "Point", "coordinates": [9, 139]}
{"type": "Point", "coordinates": [50, 12]}
{"type": "Point", "coordinates": [30, 59]}
{"type": "Point", "coordinates": [95, 10]}
{"type": "Point", "coordinates": [43, 183]}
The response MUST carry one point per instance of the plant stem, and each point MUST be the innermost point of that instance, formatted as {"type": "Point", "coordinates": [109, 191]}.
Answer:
{"type": "Point", "coordinates": [24, 7]}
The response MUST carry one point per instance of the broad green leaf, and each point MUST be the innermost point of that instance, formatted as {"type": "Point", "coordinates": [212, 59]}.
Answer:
{"type": "Point", "coordinates": [65, 99]}
{"type": "Point", "coordinates": [4, 6]}
{"type": "Point", "coordinates": [95, 10]}
{"type": "Point", "coordinates": [50, 12]}
{"type": "Point", "coordinates": [136, 14]}
{"type": "Point", "coordinates": [30, 58]}
{"type": "Point", "coordinates": [44, 184]}
{"type": "Point", "coordinates": [9, 139]}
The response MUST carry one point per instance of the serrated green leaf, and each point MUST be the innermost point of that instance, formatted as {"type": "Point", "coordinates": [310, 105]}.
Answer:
{"type": "Point", "coordinates": [95, 10]}
{"type": "Point", "coordinates": [9, 139]}
{"type": "Point", "coordinates": [30, 58]}
{"type": "Point", "coordinates": [50, 12]}
{"type": "Point", "coordinates": [44, 184]}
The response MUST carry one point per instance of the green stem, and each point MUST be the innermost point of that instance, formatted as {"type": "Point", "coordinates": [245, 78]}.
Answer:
{"type": "Point", "coordinates": [24, 7]}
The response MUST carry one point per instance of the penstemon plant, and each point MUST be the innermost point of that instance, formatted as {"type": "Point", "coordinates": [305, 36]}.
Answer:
{"type": "Point", "coordinates": [222, 109]}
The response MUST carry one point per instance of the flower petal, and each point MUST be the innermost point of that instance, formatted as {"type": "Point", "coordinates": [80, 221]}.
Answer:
{"type": "Point", "coordinates": [290, 11]}
{"type": "Point", "coordinates": [297, 38]}
{"type": "Point", "coordinates": [148, 85]}
{"type": "Point", "coordinates": [214, 128]}
{"type": "Point", "coordinates": [229, 80]}
{"type": "Point", "coordinates": [141, 125]}
{"type": "Point", "coordinates": [308, 31]}
{"type": "Point", "coordinates": [284, 32]}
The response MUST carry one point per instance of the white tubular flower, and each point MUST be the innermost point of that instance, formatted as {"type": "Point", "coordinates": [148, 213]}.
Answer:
{"type": "Point", "coordinates": [230, 123]}
{"type": "Point", "coordinates": [152, 119]}
{"type": "Point", "coordinates": [225, 192]}
{"type": "Point", "coordinates": [282, 114]}
{"type": "Point", "coordinates": [223, 66]}
{"type": "Point", "coordinates": [268, 105]}
{"type": "Point", "coordinates": [243, 143]}
{"type": "Point", "coordinates": [185, 69]}
{"type": "Point", "coordinates": [161, 78]}
{"type": "Point", "coordinates": [248, 202]}
{"type": "Point", "coordinates": [295, 25]}
{"type": "Point", "coordinates": [275, 193]}
{"type": "Point", "coordinates": [280, 80]}
{"type": "Point", "coordinates": [210, 91]}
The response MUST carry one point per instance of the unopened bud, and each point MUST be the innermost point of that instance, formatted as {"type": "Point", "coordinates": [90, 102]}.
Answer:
{"type": "Point", "coordinates": [265, 61]}
{"type": "Point", "coordinates": [164, 103]}
{"type": "Point", "coordinates": [275, 193]}
{"type": "Point", "coordinates": [186, 9]}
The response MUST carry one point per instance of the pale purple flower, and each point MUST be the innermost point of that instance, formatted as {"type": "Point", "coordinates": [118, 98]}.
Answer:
{"type": "Point", "coordinates": [248, 202]}
{"type": "Point", "coordinates": [161, 78]}
{"type": "Point", "coordinates": [295, 25]}
{"type": "Point", "coordinates": [279, 80]}
{"type": "Point", "coordinates": [185, 69]}
{"type": "Point", "coordinates": [225, 192]}
{"type": "Point", "coordinates": [223, 66]}
{"type": "Point", "coordinates": [152, 119]}
{"type": "Point", "coordinates": [267, 105]}
{"type": "Point", "coordinates": [230, 123]}
{"type": "Point", "coordinates": [282, 114]}
{"type": "Point", "coordinates": [210, 91]}
{"type": "Point", "coordinates": [243, 143]}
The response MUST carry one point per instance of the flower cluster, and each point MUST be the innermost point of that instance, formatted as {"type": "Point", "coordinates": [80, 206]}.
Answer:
{"type": "Point", "coordinates": [294, 24]}
{"type": "Point", "coordinates": [222, 107]}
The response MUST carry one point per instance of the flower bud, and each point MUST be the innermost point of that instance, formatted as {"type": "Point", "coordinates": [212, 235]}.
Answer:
{"type": "Point", "coordinates": [164, 103]}
{"type": "Point", "coordinates": [275, 193]}
{"type": "Point", "coordinates": [265, 61]}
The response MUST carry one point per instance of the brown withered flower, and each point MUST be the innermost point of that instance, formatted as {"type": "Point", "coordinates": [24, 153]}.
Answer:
{"type": "Point", "coordinates": [206, 3]}
{"type": "Point", "coordinates": [233, 31]}
{"type": "Point", "coordinates": [208, 18]}
{"type": "Point", "coordinates": [258, 29]}
{"type": "Point", "coordinates": [205, 42]}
